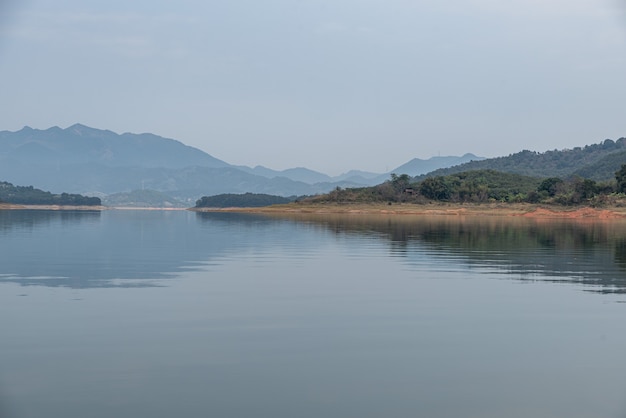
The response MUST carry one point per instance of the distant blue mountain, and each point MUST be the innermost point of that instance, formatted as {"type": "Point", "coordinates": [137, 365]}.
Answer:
{"type": "Point", "coordinates": [413, 168]}
{"type": "Point", "coordinates": [417, 167]}
{"type": "Point", "coordinates": [80, 159]}
{"type": "Point", "coordinates": [356, 175]}
{"type": "Point", "coordinates": [297, 174]}
{"type": "Point", "coordinates": [80, 144]}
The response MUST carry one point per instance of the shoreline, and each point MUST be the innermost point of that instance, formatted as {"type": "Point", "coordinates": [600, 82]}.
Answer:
{"type": "Point", "coordinates": [437, 209]}
{"type": "Point", "coordinates": [14, 206]}
{"type": "Point", "coordinates": [525, 210]}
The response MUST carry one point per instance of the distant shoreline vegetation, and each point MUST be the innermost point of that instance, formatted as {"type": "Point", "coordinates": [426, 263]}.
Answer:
{"type": "Point", "coordinates": [28, 195]}
{"type": "Point", "coordinates": [246, 200]}
{"type": "Point", "coordinates": [484, 186]}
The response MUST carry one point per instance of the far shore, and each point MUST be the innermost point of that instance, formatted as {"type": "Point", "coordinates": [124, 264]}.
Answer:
{"type": "Point", "coordinates": [486, 209]}
{"type": "Point", "coordinates": [433, 209]}
{"type": "Point", "coordinates": [12, 206]}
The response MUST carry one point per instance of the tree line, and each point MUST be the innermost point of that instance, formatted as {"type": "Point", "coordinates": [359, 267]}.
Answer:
{"type": "Point", "coordinates": [482, 186]}
{"type": "Point", "coordinates": [28, 195]}
{"type": "Point", "coordinates": [230, 200]}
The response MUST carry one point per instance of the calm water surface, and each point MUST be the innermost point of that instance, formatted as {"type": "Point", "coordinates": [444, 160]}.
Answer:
{"type": "Point", "coordinates": [162, 314]}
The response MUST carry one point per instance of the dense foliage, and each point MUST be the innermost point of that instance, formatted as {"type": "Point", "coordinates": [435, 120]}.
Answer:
{"type": "Point", "coordinates": [604, 168]}
{"type": "Point", "coordinates": [597, 162]}
{"type": "Point", "coordinates": [31, 196]}
{"type": "Point", "coordinates": [251, 200]}
{"type": "Point", "coordinates": [484, 186]}
{"type": "Point", "coordinates": [478, 186]}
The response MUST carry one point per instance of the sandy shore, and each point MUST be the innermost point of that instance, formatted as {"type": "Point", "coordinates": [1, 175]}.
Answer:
{"type": "Point", "coordinates": [142, 208]}
{"type": "Point", "coordinates": [490, 209]}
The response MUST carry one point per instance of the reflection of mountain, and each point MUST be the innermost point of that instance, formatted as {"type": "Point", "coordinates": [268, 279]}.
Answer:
{"type": "Point", "coordinates": [125, 248]}
{"type": "Point", "coordinates": [128, 248]}
{"type": "Point", "coordinates": [589, 253]}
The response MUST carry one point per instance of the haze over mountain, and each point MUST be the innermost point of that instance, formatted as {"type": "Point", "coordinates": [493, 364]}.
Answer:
{"type": "Point", "coordinates": [417, 166]}
{"type": "Point", "coordinates": [80, 159]}
{"type": "Point", "coordinates": [96, 162]}
{"type": "Point", "coordinates": [80, 144]}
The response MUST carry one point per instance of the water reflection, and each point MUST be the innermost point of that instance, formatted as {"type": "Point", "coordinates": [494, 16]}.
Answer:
{"type": "Point", "coordinates": [588, 252]}
{"type": "Point", "coordinates": [141, 248]}
{"type": "Point", "coordinates": [30, 219]}
{"type": "Point", "coordinates": [126, 248]}
{"type": "Point", "coordinates": [317, 316]}
{"type": "Point", "coordinates": [90, 249]}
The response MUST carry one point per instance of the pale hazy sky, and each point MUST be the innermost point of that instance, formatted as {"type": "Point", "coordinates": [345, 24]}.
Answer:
{"type": "Point", "coordinates": [331, 85]}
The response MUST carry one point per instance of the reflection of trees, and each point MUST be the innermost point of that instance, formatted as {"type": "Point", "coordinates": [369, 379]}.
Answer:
{"type": "Point", "coordinates": [148, 245]}
{"type": "Point", "coordinates": [475, 232]}
{"type": "Point", "coordinates": [587, 252]}
{"type": "Point", "coordinates": [620, 252]}
{"type": "Point", "coordinates": [28, 219]}
{"type": "Point", "coordinates": [499, 234]}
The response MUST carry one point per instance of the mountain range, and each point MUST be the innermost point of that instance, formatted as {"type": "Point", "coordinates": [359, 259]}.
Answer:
{"type": "Point", "coordinates": [96, 162]}
{"type": "Point", "coordinates": [102, 163]}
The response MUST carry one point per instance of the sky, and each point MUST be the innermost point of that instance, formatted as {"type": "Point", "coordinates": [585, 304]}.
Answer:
{"type": "Point", "coordinates": [331, 85]}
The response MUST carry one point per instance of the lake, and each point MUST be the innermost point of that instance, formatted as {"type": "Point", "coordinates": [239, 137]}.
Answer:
{"type": "Point", "coordinates": [182, 314]}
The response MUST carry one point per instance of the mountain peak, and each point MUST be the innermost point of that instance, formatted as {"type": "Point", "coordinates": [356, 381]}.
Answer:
{"type": "Point", "coordinates": [417, 166]}
{"type": "Point", "coordinates": [79, 129]}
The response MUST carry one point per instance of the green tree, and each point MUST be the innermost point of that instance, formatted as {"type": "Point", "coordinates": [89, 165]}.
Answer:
{"type": "Point", "coordinates": [620, 176]}
{"type": "Point", "coordinates": [400, 182]}
{"type": "Point", "coordinates": [550, 185]}
{"type": "Point", "coordinates": [435, 188]}
{"type": "Point", "coordinates": [586, 188]}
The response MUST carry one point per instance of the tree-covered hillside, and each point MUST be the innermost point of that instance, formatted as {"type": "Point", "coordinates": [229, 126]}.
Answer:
{"type": "Point", "coordinates": [485, 186]}
{"type": "Point", "coordinates": [581, 161]}
{"type": "Point", "coordinates": [246, 200]}
{"type": "Point", "coordinates": [31, 196]}
{"type": "Point", "coordinates": [604, 168]}
{"type": "Point", "coordinates": [469, 186]}
{"type": "Point", "coordinates": [478, 186]}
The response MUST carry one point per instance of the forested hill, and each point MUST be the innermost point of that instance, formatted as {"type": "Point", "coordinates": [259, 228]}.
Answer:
{"type": "Point", "coordinates": [246, 200]}
{"type": "Point", "coordinates": [598, 162]}
{"type": "Point", "coordinates": [31, 196]}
